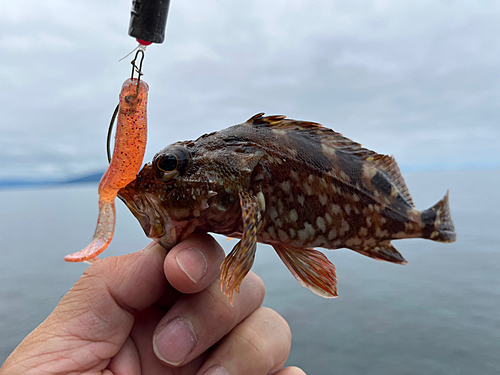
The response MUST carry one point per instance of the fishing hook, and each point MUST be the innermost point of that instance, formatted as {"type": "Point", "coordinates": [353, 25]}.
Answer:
{"type": "Point", "coordinates": [110, 130]}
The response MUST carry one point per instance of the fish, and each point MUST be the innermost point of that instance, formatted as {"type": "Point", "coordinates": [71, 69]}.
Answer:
{"type": "Point", "coordinates": [128, 154]}
{"type": "Point", "coordinates": [294, 185]}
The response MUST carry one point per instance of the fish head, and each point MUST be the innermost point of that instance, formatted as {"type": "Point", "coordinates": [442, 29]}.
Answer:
{"type": "Point", "coordinates": [190, 184]}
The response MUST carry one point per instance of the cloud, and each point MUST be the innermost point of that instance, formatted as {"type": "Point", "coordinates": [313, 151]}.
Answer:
{"type": "Point", "coordinates": [419, 80]}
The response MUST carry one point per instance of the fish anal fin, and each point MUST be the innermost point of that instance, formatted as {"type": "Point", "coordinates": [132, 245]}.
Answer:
{"type": "Point", "coordinates": [311, 268]}
{"type": "Point", "coordinates": [239, 261]}
{"type": "Point", "coordinates": [384, 251]}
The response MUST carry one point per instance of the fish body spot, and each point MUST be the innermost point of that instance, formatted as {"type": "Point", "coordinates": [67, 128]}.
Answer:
{"type": "Point", "coordinates": [323, 199]}
{"type": "Point", "coordinates": [332, 234]}
{"type": "Point", "coordinates": [282, 235]}
{"type": "Point", "coordinates": [286, 186]}
{"type": "Point", "coordinates": [271, 232]}
{"type": "Point", "coordinates": [335, 209]}
{"type": "Point", "coordinates": [328, 218]}
{"type": "Point", "coordinates": [279, 132]}
{"type": "Point", "coordinates": [381, 233]}
{"type": "Point", "coordinates": [368, 221]}
{"type": "Point", "coordinates": [301, 199]}
{"type": "Point", "coordinates": [320, 223]}
{"type": "Point", "coordinates": [281, 207]}
{"type": "Point", "coordinates": [309, 228]}
{"type": "Point", "coordinates": [368, 171]}
{"type": "Point", "coordinates": [293, 215]}
{"type": "Point", "coordinates": [308, 189]}
{"type": "Point", "coordinates": [347, 209]}
{"type": "Point", "coordinates": [344, 176]}
{"type": "Point", "coordinates": [273, 214]}
{"type": "Point", "coordinates": [344, 227]}
{"type": "Point", "coordinates": [303, 235]}
{"type": "Point", "coordinates": [327, 149]}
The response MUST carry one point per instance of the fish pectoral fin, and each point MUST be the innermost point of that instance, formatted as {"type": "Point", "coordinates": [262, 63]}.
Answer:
{"type": "Point", "coordinates": [384, 251]}
{"type": "Point", "coordinates": [239, 261]}
{"type": "Point", "coordinates": [311, 268]}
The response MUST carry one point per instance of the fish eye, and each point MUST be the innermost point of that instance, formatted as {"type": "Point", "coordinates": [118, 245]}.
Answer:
{"type": "Point", "coordinates": [171, 162]}
{"type": "Point", "coordinates": [168, 163]}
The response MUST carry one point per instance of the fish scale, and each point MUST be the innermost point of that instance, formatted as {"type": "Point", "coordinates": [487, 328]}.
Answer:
{"type": "Point", "coordinates": [294, 185]}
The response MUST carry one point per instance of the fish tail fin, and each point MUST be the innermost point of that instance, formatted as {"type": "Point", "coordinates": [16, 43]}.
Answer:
{"type": "Point", "coordinates": [438, 223]}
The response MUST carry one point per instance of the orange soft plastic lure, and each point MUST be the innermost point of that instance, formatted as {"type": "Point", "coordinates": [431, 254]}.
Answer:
{"type": "Point", "coordinates": [130, 145]}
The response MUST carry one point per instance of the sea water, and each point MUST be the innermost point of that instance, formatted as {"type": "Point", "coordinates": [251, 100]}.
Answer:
{"type": "Point", "coordinates": [439, 314]}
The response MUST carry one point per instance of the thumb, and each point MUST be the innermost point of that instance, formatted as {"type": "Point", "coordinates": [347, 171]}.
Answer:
{"type": "Point", "coordinates": [93, 320]}
{"type": "Point", "coordinates": [110, 291]}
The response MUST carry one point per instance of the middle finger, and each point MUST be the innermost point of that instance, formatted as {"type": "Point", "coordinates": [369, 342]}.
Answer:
{"type": "Point", "coordinates": [198, 321]}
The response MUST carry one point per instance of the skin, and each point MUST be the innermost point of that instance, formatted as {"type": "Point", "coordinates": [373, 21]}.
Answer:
{"type": "Point", "coordinates": [124, 317]}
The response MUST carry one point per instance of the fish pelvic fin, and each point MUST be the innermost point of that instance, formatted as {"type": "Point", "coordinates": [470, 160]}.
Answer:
{"type": "Point", "coordinates": [438, 225]}
{"type": "Point", "coordinates": [311, 268]}
{"type": "Point", "coordinates": [384, 251]}
{"type": "Point", "coordinates": [239, 261]}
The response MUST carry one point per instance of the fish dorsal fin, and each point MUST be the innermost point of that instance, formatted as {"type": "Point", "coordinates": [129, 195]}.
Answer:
{"type": "Point", "coordinates": [383, 162]}
{"type": "Point", "coordinates": [281, 122]}
{"type": "Point", "coordinates": [390, 166]}
{"type": "Point", "coordinates": [339, 143]}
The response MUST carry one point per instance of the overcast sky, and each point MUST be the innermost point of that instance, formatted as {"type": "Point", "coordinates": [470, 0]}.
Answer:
{"type": "Point", "coordinates": [416, 79]}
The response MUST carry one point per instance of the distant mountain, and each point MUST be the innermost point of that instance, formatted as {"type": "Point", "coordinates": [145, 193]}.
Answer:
{"type": "Point", "coordinates": [17, 183]}
{"type": "Point", "coordinates": [12, 183]}
{"type": "Point", "coordinates": [93, 177]}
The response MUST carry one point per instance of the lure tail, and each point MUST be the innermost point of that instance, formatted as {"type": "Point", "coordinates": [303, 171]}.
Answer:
{"type": "Point", "coordinates": [102, 236]}
{"type": "Point", "coordinates": [438, 223]}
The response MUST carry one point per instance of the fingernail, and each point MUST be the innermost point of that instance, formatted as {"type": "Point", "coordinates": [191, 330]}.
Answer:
{"type": "Point", "coordinates": [175, 341]}
{"type": "Point", "coordinates": [193, 262]}
{"type": "Point", "coordinates": [216, 370]}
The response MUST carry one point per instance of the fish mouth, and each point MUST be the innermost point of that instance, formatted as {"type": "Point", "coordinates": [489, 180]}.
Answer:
{"type": "Point", "coordinates": [143, 207]}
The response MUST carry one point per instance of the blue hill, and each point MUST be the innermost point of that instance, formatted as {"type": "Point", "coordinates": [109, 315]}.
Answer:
{"type": "Point", "coordinates": [93, 177]}
{"type": "Point", "coordinates": [17, 183]}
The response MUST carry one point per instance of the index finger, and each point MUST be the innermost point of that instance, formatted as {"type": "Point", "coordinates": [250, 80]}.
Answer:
{"type": "Point", "coordinates": [193, 264]}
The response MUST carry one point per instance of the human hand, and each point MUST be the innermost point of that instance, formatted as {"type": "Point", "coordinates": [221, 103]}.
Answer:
{"type": "Point", "coordinates": [123, 317]}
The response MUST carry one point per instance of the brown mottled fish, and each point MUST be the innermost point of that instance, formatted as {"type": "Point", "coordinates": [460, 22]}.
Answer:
{"type": "Point", "coordinates": [294, 185]}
